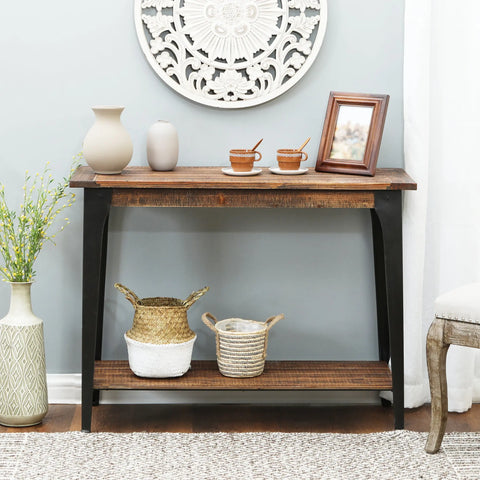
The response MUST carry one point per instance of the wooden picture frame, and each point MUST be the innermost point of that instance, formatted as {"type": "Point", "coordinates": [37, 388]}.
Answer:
{"type": "Point", "coordinates": [352, 133]}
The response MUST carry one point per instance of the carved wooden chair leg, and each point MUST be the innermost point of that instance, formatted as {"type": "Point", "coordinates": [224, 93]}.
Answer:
{"type": "Point", "coordinates": [436, 360]}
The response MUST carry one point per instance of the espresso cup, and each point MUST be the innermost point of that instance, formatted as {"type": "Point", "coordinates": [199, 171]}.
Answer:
{"type": "Point", "coordinates": [242, 160]}
{"type": "Point", "coordinates": [289, 159]}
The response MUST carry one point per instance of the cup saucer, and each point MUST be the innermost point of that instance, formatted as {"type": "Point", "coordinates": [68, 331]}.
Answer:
{"type": "Point", "coordinates": [230, 171]}
{"type": "Point", "coordinates": [277, 170]}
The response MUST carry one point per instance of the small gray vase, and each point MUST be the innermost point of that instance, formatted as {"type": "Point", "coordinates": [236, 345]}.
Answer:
{"type": "Point", "coordinates": [162, 146]}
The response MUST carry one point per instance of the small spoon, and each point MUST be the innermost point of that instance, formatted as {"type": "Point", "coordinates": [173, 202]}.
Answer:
{"type": "Point", "coordinates": [306, 141]}
{"type": "Point", "coordinates": [259, 142]}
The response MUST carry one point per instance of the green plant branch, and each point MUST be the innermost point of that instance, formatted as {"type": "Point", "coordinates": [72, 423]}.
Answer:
{"type": "Point", "coordinates": [23, 235]}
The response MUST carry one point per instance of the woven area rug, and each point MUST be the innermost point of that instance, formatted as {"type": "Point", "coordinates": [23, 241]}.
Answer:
{"type": "Point", "coordinates": [260, 456]}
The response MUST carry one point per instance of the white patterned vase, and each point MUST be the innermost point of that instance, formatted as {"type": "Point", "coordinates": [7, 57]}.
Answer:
{"type": "Point", "coordinates": [107, 147]}
{"type": "Point", "coordinates": [23, 382]}
{"type": "Point", "coordinates": [162, 146]}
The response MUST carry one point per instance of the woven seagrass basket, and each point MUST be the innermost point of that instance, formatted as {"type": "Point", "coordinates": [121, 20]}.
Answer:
{"type": "Point", "coordinates": [160, 320]}
{"type": "Point", "coordinates": [241, 344]}
{"type": "Point", "coordinates": [160, 342]}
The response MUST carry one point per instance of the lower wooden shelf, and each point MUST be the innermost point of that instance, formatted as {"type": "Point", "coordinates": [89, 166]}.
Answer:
{"type": "Point", "coordinates": [278, 375]}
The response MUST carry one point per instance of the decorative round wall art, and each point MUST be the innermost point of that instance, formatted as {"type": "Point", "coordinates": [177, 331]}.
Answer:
{"type": "Point", "coordinates": [231, 53]}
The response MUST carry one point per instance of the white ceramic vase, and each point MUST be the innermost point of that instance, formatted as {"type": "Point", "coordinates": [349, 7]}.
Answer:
{"type": "Point", "coordinates": [107, 147]}
{"type": "Point", "coordinates": [162, 146]}
{"type": "Point", "coordinates": [23, 381]}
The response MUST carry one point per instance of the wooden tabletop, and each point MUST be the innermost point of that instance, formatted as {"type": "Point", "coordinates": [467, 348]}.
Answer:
{"type": "Point", "coordinates": [213, 178]}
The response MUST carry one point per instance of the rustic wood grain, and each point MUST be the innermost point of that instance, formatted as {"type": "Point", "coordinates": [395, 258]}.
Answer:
{"type": "Point", "coordinates": [278, 375]}
{"type": "Point", "coordinates": [83, 177]}
{"type": "Point", "coordinates": [213, 178]}
{"type": "Point", "coordinates": [136, 197]}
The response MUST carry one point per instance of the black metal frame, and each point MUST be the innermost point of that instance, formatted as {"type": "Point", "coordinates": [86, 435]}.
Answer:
{"type": "Point", "coordinates": [96, 213]}
{"type": "Point", "coordinates": [387, 247]}
{"type": "Point", "coordinates": [387, 253]}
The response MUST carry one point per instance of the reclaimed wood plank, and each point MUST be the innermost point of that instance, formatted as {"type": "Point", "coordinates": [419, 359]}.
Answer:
{"type": "Point", "coordinates": [213, 178]}
{"type": "Point", "coordinates": [83, 177]}
{"type": "Point", "coordinates": [278, 375]}
{"type": "Point", "coordinates": [134, 197]}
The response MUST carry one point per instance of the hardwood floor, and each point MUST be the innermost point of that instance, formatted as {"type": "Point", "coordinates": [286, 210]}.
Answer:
{"type": "Point", "coordinates": [244, 418]}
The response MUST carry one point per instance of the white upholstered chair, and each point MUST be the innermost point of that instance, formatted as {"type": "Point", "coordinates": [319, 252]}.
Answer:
{"type": "Point", "coordinates": [457, 322]}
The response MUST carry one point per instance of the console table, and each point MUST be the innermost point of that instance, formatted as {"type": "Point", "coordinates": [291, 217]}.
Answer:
{"type": "Point", "coordinates": [209, 187]}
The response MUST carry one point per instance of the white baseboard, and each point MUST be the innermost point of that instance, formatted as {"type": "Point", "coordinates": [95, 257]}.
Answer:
{"type": "Point", "coordinates": [66, 388]}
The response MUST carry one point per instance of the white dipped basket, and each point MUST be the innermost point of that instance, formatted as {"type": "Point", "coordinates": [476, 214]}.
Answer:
{"type": "Point", "coordinates": [159, 361]}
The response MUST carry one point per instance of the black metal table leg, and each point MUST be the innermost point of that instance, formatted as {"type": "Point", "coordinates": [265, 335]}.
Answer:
{"type": "Point", "coordinates": [387, 244]}
{"type": "Point", "coordinates": [380, 294]}
{"type": "Point", "coordinates": [101, 304]}
{"type": "Point", "coordinates": [95, 232]}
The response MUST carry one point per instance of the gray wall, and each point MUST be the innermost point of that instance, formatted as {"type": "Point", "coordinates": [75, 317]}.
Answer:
{"type": "Point", "coordinates": [58, 59]}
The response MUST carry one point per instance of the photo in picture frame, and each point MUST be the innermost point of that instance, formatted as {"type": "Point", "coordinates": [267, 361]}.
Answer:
{"type": "Point", "coordinates": [352, 133]}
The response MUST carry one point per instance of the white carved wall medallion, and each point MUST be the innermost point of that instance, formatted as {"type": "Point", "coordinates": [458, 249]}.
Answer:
{"type": "Point", "coordinates": [231, 53]}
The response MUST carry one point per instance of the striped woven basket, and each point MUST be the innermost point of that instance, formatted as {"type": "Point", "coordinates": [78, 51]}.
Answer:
{"type": "Point", "coordinates": [241, 344]}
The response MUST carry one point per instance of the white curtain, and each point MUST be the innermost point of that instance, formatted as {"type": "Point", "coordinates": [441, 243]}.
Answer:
{"type": "Point", "coordinates": [442, 153]}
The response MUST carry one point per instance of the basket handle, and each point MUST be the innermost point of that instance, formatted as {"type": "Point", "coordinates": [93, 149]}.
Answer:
{"type": "Point", "coordinates": [131, 297]}
{"type": "Point", "coordinates": [270, 322]}
{"type": "Point", "coordinates": [205, 319]}
{"type": "Point", "coordinates": [193, 297]}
